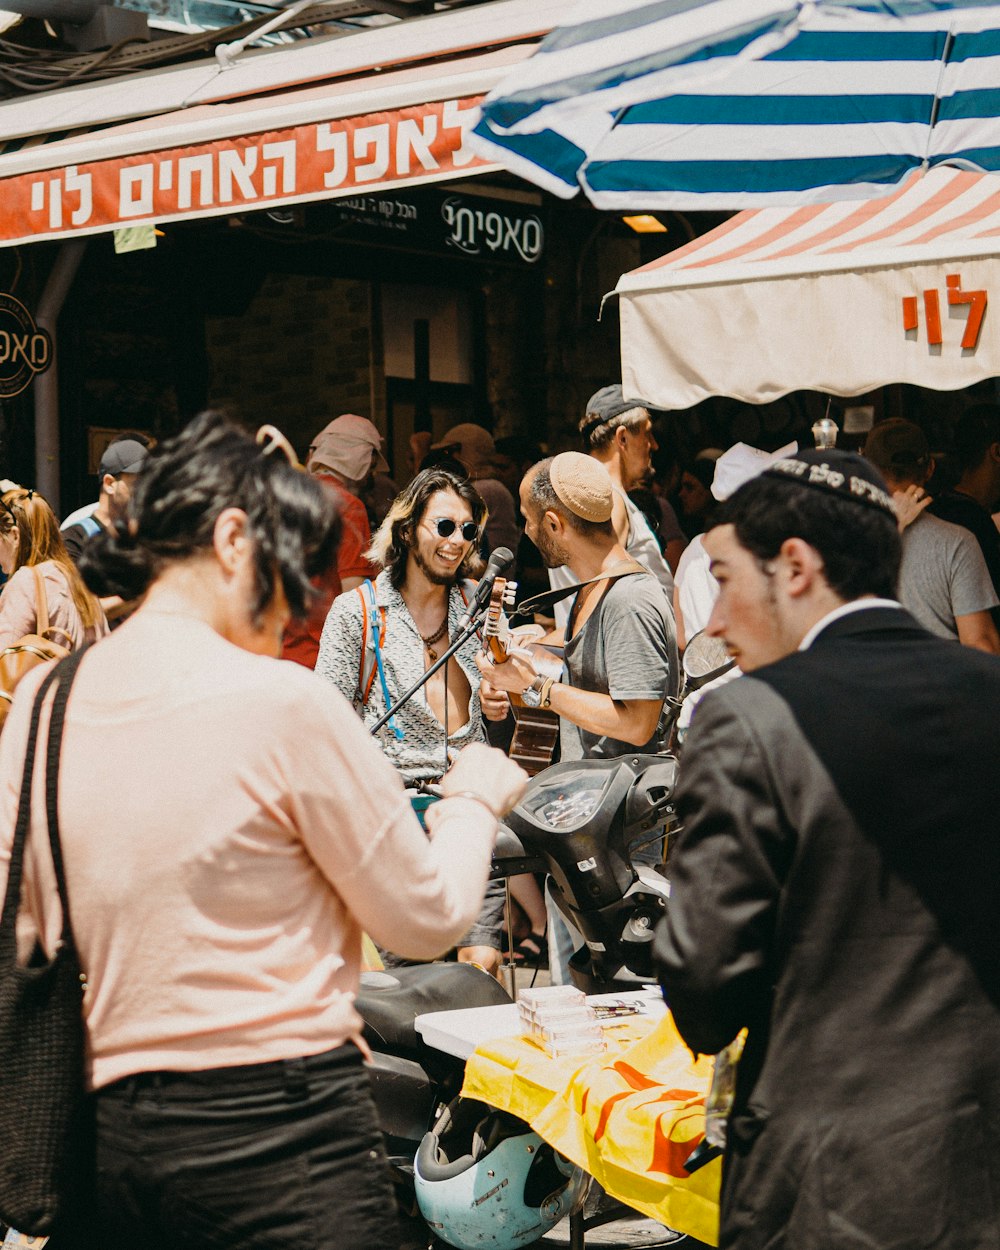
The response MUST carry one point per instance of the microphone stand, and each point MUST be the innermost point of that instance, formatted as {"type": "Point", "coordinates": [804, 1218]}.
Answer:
{"type": "Point", "coordinates": [460, 642]}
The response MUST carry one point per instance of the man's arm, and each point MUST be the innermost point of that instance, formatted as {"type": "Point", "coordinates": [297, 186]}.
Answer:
{"type": "Point", "coordinates": [973, 598]}
{"type": "Point", "coordinates": [619, 519]}
{"type": "Point", "coordinates": [673, 549]}
{"type": "Point", "coordinates": [679, 619]}
{"type": "Point", "coordinates": [629, 720]}
{"type": "Point", "coordinates": [976, 629]}
{"type": "Point", "coordinates": [713, 949]}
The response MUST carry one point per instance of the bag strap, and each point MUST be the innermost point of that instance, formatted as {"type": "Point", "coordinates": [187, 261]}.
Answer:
{"type": "Point", "coordinates": [70, 667]}
{"type": "Point", "coordinates": [361, 695]}
{"type": "Point", "coordinates": [12, 896]}
{"type": "Point", "coordinates": [41, 603]}
{"type": "Point", "coordinates": [42, 627]}
{"type": "Point", "coordinates": [62, 675]}
{"type": "Point", "coordinates": [374, 627]}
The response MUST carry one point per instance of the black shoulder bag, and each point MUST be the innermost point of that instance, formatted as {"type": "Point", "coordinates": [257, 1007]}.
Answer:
{"type": "Point", "coordinates": [42, 1095]}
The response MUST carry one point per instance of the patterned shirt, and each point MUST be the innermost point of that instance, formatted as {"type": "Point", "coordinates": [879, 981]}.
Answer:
{"type": "Point", "coordinates": [420, 753]}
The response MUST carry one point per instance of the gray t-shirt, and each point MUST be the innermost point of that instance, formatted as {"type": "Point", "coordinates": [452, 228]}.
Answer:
{"type": "Point", "coordinates": [943, 575]}
{"type": "Point", "coordinates": [627, 649]}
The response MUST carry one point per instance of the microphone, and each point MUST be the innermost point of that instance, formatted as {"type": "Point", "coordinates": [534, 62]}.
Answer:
{"type": "Point", "coordinates": [499, 562]}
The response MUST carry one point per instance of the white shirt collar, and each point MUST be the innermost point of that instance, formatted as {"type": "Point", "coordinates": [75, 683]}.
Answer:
{"type": "Point", "coordinates": [845, 609]}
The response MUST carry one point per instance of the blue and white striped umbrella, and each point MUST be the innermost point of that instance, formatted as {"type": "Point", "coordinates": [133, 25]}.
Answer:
{"type": "Point", "coordinates": [742, 103]}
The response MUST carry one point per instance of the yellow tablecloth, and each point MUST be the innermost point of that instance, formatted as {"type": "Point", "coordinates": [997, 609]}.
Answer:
{"type": "Point", "coordinates": [629, 1117]}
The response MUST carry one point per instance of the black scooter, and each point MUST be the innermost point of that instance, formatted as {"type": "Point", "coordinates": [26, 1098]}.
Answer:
{"type": "Point", "coordinates": [580, 822]}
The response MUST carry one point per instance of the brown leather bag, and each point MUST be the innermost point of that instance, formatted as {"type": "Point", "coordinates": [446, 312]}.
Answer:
{"type": "Point", "coordinates": [31, 650]}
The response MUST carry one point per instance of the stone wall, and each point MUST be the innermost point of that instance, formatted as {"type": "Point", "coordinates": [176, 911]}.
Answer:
{"type": "Point", "coordinates": [300, 355]}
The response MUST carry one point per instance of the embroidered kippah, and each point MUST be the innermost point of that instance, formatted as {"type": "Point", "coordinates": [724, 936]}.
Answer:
{"type": "Point", "coordinates": [583, 485]}
{"type": "Point", "coordinates": [843, 473]}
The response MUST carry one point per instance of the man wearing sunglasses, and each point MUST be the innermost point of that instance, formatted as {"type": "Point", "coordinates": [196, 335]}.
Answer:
{"type": "Point", "coordinates": [472, 446]}
{"type": "Point", "coordinates": [428, 550]}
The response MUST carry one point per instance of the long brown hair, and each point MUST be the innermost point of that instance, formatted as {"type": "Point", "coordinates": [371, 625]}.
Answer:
{"type": "Point", "coordinates": [39, 540]}
{"type": "Point", "coordinates": [392, 541]}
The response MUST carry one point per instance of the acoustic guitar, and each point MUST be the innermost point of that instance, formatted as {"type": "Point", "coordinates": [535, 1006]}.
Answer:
{"type": "Point", "coordinates": [537, 729]}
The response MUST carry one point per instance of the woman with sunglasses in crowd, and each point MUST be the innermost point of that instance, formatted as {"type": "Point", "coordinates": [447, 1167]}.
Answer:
{"type": "Point", "coordinates": [34, 557]}
{"type": "Point", "coordinates": [221, 875]}
{"type": "Point", "coordinates": [427, 548]}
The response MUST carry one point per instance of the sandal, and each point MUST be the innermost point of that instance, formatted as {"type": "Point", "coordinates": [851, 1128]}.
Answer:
{"type": "Point", "coordinates": [532, 951]}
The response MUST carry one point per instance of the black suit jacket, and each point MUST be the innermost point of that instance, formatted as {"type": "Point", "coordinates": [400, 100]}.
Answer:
{"type": "Point", "coordinates": [836, 891]}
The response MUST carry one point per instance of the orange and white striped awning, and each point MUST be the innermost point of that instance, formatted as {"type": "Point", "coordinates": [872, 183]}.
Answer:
{"type": "Point", "coordinates": [840, 298]}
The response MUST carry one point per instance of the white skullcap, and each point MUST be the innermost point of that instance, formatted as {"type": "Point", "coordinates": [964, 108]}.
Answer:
{"type": "Point", "coordinates": [741, 463]}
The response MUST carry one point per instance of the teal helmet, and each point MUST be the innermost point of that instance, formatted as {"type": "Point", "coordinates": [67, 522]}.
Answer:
{"type": "Point", "coordinates": [484, 1179]}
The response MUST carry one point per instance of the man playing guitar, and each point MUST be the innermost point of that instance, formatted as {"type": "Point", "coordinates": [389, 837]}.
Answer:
{"type": "Point", "coordinates": [620, 652]}
{"type": "Point", "coordinates": [620, 649]}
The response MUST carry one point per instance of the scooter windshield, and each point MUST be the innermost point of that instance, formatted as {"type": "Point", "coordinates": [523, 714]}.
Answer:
{"type": "Point", "coordinates": [574, 804]}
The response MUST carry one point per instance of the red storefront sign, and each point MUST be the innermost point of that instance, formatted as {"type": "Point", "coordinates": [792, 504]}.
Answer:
{"type": "Point", "coordinates": [422, 143]}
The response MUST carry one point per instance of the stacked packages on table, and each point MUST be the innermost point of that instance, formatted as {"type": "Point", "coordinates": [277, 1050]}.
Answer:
{"type": "Point", "coordinates": [559, 1019]}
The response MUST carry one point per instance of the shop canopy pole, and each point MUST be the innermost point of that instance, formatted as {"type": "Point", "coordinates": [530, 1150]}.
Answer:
{"type": "Point", "coordinates": [47, 384]}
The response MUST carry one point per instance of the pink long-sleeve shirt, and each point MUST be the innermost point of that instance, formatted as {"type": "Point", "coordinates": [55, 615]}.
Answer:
{"type": "Point", "coordinates": [228, 830]}
{"type": "Point", "coordinates": [19, 608]}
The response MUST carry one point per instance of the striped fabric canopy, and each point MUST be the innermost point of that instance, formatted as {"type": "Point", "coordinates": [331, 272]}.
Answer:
{"type": "Point", "coordinates": [840, 298]}
{"type": "Point", "coordinates": [741, 103]}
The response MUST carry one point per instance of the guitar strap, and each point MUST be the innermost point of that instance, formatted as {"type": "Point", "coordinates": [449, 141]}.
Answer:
{"type": "Point", "coordinates": [549, 598]}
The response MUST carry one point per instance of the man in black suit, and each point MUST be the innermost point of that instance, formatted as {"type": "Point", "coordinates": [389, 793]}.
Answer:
{"type": "Point", "coordinates": [836, 888]}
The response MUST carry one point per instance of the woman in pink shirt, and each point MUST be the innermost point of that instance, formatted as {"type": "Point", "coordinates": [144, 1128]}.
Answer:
{"type": "Point", "coordinates": [228, 831]}
{"type": "Point", "coordinates": [31, 547]}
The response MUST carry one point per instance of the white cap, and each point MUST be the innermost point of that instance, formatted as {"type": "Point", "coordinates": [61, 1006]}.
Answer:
{"type": "Point", "coordinates": [741, 463]}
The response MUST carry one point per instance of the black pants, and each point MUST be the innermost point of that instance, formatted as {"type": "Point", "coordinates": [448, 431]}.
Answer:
{"type": "Point", "coordinates": [244, 1158]}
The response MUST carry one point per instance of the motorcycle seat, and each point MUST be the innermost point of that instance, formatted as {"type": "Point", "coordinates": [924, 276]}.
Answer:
{"type": "Point", "coordinates": [390, 1001]}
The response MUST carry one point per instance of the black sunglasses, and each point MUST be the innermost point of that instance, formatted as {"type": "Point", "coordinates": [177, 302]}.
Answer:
{"type": "Point", "coordinates": [445, 527]}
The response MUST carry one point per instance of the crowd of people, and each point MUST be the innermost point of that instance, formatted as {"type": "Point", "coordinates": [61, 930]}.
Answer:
{"type": "Point", "coordinates": [274, 814]}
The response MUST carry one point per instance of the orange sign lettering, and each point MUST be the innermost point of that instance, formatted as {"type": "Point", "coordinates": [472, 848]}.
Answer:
{"type": "Point", "coordinates": [331, 159]}
{"type": "Point", "coordinates": [975, 300]}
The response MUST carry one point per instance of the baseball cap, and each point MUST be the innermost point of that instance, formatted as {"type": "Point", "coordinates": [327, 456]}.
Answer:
{"type": "Point", "coordinates": [606, 405]}
{"type": "Point", "coordinates": [124, 455]}
{"type": "Point", "coordinates": [472, 444]}
{"type": "Point", "coordinates": [897, 445]}
{"type": "Point", "coordinates": [349, 445]}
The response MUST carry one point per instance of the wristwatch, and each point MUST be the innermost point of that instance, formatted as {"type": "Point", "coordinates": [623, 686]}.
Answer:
{"type": "Point", "coordinates": [537, 694]}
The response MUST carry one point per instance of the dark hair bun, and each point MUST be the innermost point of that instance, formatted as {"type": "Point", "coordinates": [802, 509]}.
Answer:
{"type": "Point", "coordinates": [113, 564]}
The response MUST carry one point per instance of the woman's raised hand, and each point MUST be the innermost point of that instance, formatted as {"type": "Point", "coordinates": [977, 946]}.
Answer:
{"type": "Point", "coordinates": [486, 774]}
